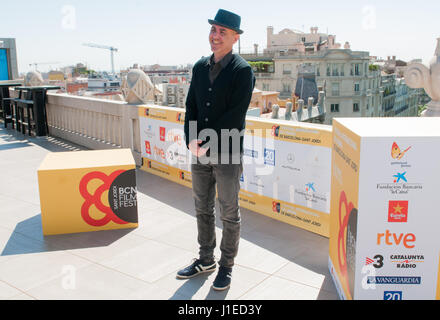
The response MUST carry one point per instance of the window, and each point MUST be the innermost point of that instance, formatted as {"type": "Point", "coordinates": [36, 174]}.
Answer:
{"type": "Point", "coordinates": [287, 69]}
{"type": "Point", "coordinates": [334, 107]}
{"type": "Point", "coordinates": [356, 88]}
{"type": "Point", "coordinates": [303, 39]}
{"type": "Point", "coordinates": [357, 68]}
{"type": "Point", "coordinates": [335, 71]}
{"type": "Point", "coordinates": [342, 69]}
{"type": "Point", "coordinates": [356, 107]}
{"type": "Point", "coordinates": [328, 70]}
{"type": "Point", "coordinates": [286, 87]}
{"type": "Point", "coordinates": [335, 89]}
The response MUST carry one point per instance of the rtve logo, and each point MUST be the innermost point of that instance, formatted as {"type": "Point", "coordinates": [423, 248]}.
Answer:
{"type": "Point", "coordinates": [392, 239]}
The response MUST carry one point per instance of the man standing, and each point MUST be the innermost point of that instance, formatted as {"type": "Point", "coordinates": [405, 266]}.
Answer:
{"type": "Point", "coordinates": [218, 99]}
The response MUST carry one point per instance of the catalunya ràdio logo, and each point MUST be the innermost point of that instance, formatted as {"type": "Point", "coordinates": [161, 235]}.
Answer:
{"type": "Point", "coordinates": [122, 197]}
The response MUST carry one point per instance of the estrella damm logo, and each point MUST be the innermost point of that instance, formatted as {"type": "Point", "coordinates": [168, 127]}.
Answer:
{"type": "Point", "coordinates": [122, 197]}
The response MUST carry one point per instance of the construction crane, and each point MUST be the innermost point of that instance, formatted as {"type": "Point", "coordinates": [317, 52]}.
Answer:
{"type": "Point", "coordinates": [112, 50]}
{"type": "Point", "coordinates": [36, 64]}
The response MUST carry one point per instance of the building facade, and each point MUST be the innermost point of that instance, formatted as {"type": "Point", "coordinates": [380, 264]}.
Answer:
{"type": "Point", "coordinates": [355, 84]}
{"type": "Point", "coordinates": [351, 86]}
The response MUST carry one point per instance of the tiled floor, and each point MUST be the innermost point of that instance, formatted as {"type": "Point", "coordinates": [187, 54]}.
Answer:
{"type": "Point", "coordinates": [275, 260]}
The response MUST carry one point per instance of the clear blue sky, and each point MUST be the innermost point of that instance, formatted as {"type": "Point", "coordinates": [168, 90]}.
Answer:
{"type": "Point", "coordinates": [175, 32]}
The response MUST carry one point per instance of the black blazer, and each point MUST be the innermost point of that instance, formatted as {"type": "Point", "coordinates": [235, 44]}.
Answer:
{"type": "Point", "coordinates": [222, 105]}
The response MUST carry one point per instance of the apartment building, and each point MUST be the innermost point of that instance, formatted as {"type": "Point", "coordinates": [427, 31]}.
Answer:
{"type": "Point", "coordinates": [398, 100]}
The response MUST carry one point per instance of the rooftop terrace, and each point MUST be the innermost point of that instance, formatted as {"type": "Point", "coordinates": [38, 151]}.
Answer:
{"type": "Point", "coordinates": [275, 260]}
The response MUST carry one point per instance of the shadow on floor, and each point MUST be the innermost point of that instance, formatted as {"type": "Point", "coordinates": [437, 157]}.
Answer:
{"type": "Point", "coordinates": [297, 245]}
{"type": "Point", "coordinates": [14, 145]}
{"type": "Point", "coordinates": [311, 252]}
{"type": "Point", "coordinates": [50, 143]}
{"type": "Point", "coordinates": [28, 237]}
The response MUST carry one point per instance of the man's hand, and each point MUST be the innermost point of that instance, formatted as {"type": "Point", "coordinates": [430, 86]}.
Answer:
{"type": "Point", "coordinates": [195, 149]}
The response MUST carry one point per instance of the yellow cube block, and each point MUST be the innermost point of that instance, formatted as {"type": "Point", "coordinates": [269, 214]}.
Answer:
{"type": "Point", "coordinates": [88, 191]}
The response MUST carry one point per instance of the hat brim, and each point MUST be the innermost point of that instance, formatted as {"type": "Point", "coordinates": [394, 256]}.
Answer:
{"type": "Point", "coordinates": [224, 25]}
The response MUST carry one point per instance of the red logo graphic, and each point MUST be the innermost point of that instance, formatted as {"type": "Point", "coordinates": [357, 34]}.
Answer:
{"type": "Point", "coordinates": [95, 199]}
{"type": "Point", "coordinates": [398, 211]}
{"type": "Point", "coordinates": [368, 261]}
{"type": "Point", "coordinates": [162, 133]}
{"type": "Point", "coordinates": [396, 153]}
{"type": "Point", "coordinates": [275, 131]}
{"type": "Point", "coordinates": [159, 152]}
{"type": "Point", "coordinates": [391, 239]}
{"type": "Point", "coordinates": [148, 147]}
{"type": "Point", "coordinates": [343, 225]}
{"type": "Point", "coordinates": [174, 137]}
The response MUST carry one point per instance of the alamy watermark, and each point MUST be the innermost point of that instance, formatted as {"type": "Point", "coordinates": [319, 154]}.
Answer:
{"type": "Point", "coordinates": [68, 281]}
{"type": "Point", "coordinates": [369, 18]}
{"type": "Point", "coordinates": [256, 148]}
{"type": "Point", "coordinates": [68, 20]}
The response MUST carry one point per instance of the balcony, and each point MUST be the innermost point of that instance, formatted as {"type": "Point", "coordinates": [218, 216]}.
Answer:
{"type": "Point", "coordinates": [275, 260]}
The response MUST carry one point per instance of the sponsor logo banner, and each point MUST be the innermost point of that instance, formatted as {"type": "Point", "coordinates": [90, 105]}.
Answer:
{"type": "Point", "coordinates": [286, 164]}
{"type": "Point", "coordinates": [394, 280]}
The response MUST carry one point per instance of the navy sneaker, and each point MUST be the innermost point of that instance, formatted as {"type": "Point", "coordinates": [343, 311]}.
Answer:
{"type": "Point", "coordinates": [223, 279]}
{"type": "Point", "coordinates": [195, 268]}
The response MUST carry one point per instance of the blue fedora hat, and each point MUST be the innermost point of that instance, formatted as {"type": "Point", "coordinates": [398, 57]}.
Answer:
{"type": "Point", "coordinates": [228, 20]}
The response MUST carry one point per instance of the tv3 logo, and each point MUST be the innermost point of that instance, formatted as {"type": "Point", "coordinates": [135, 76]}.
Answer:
{"type": "Point", "coordinates": [392, 295]}
{"type": "Point", "coordinates": [377, 262]}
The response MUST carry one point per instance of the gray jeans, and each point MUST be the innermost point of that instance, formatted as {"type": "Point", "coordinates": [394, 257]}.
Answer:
{"type": "Point", "coordinates": [204, 180]}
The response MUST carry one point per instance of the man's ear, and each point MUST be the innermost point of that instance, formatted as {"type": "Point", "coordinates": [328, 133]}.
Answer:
{"type": "Point", "coordinates": [237, 36]}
